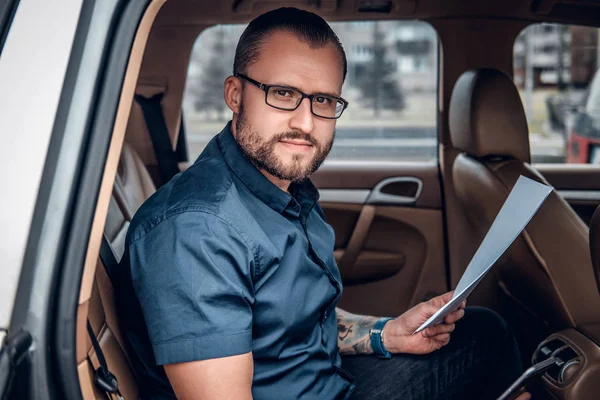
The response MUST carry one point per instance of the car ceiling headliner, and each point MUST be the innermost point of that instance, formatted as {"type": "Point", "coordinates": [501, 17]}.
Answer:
{"type": "Point", "coordinates": [210, 12]}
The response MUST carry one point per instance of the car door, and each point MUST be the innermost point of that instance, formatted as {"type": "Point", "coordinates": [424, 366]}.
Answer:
{"type": "Point", "coordinates": [31, 65]}
{"type": "Point", "coordinates": [7, 13]}
{"type": "Point", "coordinates": [62, 71]}
{"type": "Point", "coordinates": [389, 230]}
{"type": "Point", "coordinates": [8, 284]}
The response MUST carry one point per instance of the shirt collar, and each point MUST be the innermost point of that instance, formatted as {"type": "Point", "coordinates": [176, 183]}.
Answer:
{"type": "Point", "coordinates": [303, 196]}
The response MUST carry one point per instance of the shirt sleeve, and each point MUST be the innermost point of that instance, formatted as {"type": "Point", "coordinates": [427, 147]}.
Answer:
{"type": "Point", "coordinates": [192, 274]}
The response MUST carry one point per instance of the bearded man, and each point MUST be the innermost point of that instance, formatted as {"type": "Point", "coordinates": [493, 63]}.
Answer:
{"type": "Point", "coordinates": [229, 286]}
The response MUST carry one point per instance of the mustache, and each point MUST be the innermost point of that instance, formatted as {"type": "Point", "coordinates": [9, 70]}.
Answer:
{"type": "Point", "coordinates": [295, 136]}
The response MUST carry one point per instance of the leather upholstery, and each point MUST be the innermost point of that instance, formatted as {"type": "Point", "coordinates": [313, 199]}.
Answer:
{"type": "Point", "coordinates": [132, 186]}
{"type": "Point", "coordinates": [584, 382]}
{"type": "Point", "coordinates": [101, 312]}
{"type": "Point", "coordinates": [486, 116]}
{"type": "Point", "coordinates": [133, 183]}
{"type": "Point", "coordinates": [540, 267]}
{"type": "Point", "coordinates": [548, 269]}
{"type": "Point", "coordinates": [595, 244]}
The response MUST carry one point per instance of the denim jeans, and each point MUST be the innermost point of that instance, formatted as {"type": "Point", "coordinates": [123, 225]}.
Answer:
{"type": "Point", "coordinates": [480, 362]}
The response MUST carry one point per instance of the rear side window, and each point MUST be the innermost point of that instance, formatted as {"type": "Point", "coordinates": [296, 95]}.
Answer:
{"type": "Point", "coordinates": [391, 86]}
{"type": "Point", "coordinates": [555, 69]}
{"type": "Point", "coordinates": [592, 103]}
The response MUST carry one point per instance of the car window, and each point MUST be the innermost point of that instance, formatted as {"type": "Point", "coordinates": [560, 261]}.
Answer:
{"type": "Point", "coordinates": [554, 67]}
{"type": "Point", "coordinates": [391, 87]}
{"type": "Point", "coordinates": [592, 103]}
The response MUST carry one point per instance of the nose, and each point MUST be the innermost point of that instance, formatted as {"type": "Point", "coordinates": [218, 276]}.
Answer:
{"type": "Point", "coordinates": [302, 118]}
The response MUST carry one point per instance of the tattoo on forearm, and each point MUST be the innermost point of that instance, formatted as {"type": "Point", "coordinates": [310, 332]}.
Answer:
{"type": "Point", "coordinates": [353, 332]}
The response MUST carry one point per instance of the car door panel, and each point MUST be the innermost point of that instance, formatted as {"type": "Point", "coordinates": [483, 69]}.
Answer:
{"type": "Point", "coordinates": [354, 176]}
{"type": "Point", "coordinates": [389, 233]}
{"type": "Point", "coordinates": [579, 185]}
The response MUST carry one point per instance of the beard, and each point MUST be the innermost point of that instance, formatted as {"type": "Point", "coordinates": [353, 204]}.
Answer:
{"type": "Point", "coordinates": [261, 153]}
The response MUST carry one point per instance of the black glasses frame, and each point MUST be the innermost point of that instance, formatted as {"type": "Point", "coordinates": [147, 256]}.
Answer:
{"type": "Point", "coordinates": [264, 87]}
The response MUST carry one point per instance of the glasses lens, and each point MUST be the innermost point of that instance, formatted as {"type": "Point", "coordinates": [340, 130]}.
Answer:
{"type": "Point", "coordinates": [324, 106]}
{"type": "Point", "coordinates": [284, 98]}
{"type": "Point", "coordinates": [288, 99]}
{"type": "Point", "coordinates": [339, 108]}
{"type": "Point", "coordinates": [327, 107]}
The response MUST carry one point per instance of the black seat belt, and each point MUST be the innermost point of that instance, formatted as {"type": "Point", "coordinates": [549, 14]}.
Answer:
{"type": "Point", "coordinates": [108, 259]}
{"type": "Point", "coordinates": [103, 378]}
{"type": "Point", "coordinates": [181, 151]}
{"type": "Point", "coordinates": [159, 135]}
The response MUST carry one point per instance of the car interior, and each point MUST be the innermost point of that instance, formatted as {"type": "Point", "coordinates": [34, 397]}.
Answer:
{"type": "Point", "coordinates": [405, 231]}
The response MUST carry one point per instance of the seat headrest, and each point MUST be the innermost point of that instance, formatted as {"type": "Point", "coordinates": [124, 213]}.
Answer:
{"type": "Point", "coordinates": [487, 116]}
{"type": "Point", "coordinates": [595, 244]}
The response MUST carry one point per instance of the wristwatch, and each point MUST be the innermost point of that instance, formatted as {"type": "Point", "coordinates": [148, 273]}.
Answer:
{"type": "Point", "coordinates": [376, 342]}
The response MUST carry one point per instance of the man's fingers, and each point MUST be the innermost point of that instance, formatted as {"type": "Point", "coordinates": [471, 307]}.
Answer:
{"type": "Point", "coordinates": [439, 301]}
{"type": "Point", "coordinates": [442, 339]}
{"type": "Point", "coordinates": [438, 329]}
{"type": "Point", "coordinates": [524, 396]}
{"type": "Point", "coordinates": [454, 316]}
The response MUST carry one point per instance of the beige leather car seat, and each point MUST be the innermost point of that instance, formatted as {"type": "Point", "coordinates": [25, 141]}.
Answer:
{"type": "Point", "coordinates": [593, 330]}
{"type": "Point", "coordinates": [133, 186]}
{"type": "Point", "coordinates": [548, 270]}
{"type": "Point", "coordinates": [595, 244]}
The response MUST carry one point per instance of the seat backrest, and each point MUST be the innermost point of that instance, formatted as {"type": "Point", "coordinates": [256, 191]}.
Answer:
{"type": "Point", "coordinates": [133, 186]}
{"type": "Point", "coordinates": [548, 269]}
{"type": "Point", "coordinates": [595, 244]}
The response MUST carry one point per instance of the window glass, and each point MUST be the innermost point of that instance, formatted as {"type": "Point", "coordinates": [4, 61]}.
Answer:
{"type": "Point", "coordinates": [391, 87]}
{"type": "Point", "coordinates": [554, 70]}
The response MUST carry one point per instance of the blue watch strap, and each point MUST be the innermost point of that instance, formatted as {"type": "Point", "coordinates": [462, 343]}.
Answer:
{"type": "Point", "coordinates": [376, 342]}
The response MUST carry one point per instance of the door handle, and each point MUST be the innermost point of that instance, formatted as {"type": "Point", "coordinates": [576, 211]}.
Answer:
{"type": "Point", "coordinates": [401, 190]}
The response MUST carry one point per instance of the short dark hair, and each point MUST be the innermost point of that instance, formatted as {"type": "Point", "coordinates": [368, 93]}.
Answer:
{"type": "Point", "coordinates": [305, 25]}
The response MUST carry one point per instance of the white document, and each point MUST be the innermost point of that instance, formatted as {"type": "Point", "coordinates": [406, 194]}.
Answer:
{"type": "Point", "coordinates": [522, 203]}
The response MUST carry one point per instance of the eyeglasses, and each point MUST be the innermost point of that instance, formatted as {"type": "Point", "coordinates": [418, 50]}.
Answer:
{"type": "Point", "coordinates": [289, 99]}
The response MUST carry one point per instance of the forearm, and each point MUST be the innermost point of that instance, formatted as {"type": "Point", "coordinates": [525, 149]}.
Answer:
{"type": "Point", "coordinates": [353, 332]}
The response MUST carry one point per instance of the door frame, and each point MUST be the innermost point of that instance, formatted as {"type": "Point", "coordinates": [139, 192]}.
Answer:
{"type": "Point", "coordinates": [48, 293]}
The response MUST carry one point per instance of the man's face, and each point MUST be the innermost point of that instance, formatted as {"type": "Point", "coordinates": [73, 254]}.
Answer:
{"type": "Point", "coordinates": [289, 145]}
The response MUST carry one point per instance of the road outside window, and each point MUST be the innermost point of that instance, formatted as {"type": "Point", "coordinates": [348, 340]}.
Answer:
{"type": "Point", "coordinates": [554, 69]}
{"type": "Point", "coordinates": [391, 86]}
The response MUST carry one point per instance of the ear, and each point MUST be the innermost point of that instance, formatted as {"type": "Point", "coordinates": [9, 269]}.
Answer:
{"type": "Point", "coordinates": [233, 93]}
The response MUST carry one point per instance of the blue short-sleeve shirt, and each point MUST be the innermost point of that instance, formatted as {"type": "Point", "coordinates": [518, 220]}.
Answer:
{"type": "Point", "coordinates": [220, 262]}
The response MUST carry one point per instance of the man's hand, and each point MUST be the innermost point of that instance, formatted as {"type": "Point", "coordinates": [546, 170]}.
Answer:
{"type": "Point", "coordinates": [398, 334]}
